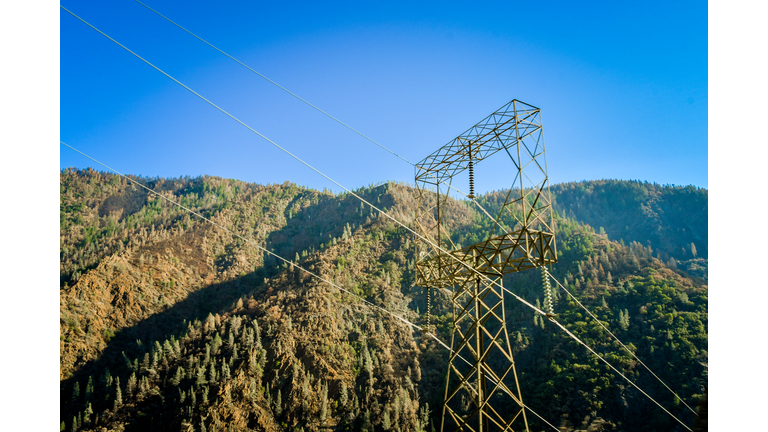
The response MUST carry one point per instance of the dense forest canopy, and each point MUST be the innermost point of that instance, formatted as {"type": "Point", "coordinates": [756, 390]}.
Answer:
{"type": "Point", "coordinates": [169, 323]}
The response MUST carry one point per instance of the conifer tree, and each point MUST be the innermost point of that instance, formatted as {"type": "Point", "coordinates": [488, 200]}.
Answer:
{"type": "Point", "coordinates": [367, 421]}
{"type": "Point", "coordinates": [278, 404]}
{"type": "Point", "coordinates": [258, 333]}
{"type": "Point", "coordinates": [324, 403]}
{"type": "Point", "coordinates": [200, 378]}
{"type": "Point", "coordinates": [225, 371]}
{"type": "Point", "coordinates": [367, 362]}
{"type": "Point", "coordinates": [106, 379]}
{"type": "Point", "coordinates": [176, 380]}
{"type": "Point", "coordinates": [131, 389]}
{"type": "Point", "coordinates": [118, 394]}
{"type": "Point", "coordinates": [424, 418]}
{"type": "Point", "coordinates": [168, 350]}
{"type": "Point", "coordinates": [88, 413]}
{"type": "Point", "coordinates": [343, 396]}
{"type": "Point", "coordinates": [416, 370]}
{"type": "Point", "coordinates": [386, 422]}
{"type": "Point", "coordinates": [89, 389]}
{"type": "Point", "coordinates": [212, 372]}
{"type": "Point", "coordinates": [76, 393]}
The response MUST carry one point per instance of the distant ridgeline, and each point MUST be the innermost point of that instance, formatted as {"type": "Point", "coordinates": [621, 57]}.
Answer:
{"type": "Point", "coordinates": [169, 323]}
{"type": "Point", "coordinates": [672, 218]}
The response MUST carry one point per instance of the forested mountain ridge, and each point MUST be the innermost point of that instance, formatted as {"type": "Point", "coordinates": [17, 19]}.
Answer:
{"type": "Point", "coordinates": [169, 323]}
{"type": "Point", "coordinates": [672, 218]}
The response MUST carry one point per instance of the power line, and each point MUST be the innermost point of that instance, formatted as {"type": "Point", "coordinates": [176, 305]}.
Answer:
{"type": "Point", "coordinates": [310, 104]}
{"type": "Point", "coordinates": [273, 82]}
{"type": "Point", "coordinates": [241, 237]}
{"type": "Point", "coordinates": [359, 198]}
{"type": "Point", "coordinates": [248, 240]}
{"type": "Point", "coordinates": [617, 340]}
{"type": "Point", "coordinates": [615, 370]}
{"type": "Point", "coordinates": [302, 161]}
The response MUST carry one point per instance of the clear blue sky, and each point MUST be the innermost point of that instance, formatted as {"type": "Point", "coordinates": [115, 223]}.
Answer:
{"type": "Point", "coordinates": [622, 86]}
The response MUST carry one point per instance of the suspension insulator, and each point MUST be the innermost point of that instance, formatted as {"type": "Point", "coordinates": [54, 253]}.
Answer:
{"type": "Point", "coordinates": [471, 180]}
{"type": "Point", "coordinates": [548, 308]}
{"type": "Point", "coordinates": [429, 310]}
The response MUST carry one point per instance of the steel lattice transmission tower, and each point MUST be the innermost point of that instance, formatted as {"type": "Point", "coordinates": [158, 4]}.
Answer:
{"type": "Point", "coordinates": [485, 396]}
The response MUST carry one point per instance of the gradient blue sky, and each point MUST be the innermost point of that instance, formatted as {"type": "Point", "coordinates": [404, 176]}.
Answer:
{"type": "Point", "coordinates": [622, 86]}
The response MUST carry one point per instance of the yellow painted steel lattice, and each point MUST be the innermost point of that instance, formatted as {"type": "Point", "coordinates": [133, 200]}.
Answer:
{"type": "Point", "coordinates": [477, 397]}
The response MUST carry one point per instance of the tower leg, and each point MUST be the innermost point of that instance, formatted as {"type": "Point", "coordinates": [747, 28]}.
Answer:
{"type": "Point", "coordinates": [477, 397]}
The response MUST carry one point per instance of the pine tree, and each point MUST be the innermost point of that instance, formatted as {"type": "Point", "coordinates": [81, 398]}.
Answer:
{"type": "Point", "coordinates": [225, 371]}
{"type": "Point", "coordinates": [367, 421]}
{"type": "Point", "coordinates": [367, 362]}
{"type": "Point", "coordinates": [200, 379]}
{"type": "Point", "coordinates": [624, 319]}
{"type": "Point", "coordinates": [88, 413]}
{"type": "Point", "coordinates": [386, 422]}
{"type": "Point", "coordinates": [145, 364]}
{"type": "Point", "coordinates": [212, 372]}
{"type": "Point", "coordinates": [89, 389]}
{"type": "Point", "coordinates": [106, 379]}
{"type": "Point", "coordinates": [424, 418]}
{"type": "Point", "coordinates": [118, 394]}
{"type": "Point", "coordinates": [344, 396]}
{"type": "Point", "coordinates": [324, 403]}
{"type": "Point", "coordinates": [416, 370]}
{"type": "Point", "coordinates": [176, 380]}
{"type": "Point", "coordinates": [131, 389]}
{"type": "Point", "coordinates": [168, 350]}
{"type": "Point", "coordinates": [278, 404]}
{"type": "Point", "coordinates": [75, 394]}
{"type": "Point", "coordinates": [258, 333]}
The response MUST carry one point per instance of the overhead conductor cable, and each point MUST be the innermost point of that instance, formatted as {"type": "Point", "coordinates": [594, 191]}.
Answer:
{"type": "Point", "coordinates": [471, 194]}
{"type": "Point", "coordinates": [248, 240]}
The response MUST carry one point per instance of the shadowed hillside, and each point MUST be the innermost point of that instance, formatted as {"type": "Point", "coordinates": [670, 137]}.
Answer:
{"type": "Point", "coordinates": [170, 323]}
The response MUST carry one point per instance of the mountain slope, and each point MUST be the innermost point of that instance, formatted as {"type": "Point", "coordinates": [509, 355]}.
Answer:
{"type": "Point", "coordinates": [672, 218]}
{"type": "Point", "coordinates": [198, 329]}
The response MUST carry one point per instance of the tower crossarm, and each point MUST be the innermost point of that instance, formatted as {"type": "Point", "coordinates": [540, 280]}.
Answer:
{"type": "Point", "coordinates": [508, 253]}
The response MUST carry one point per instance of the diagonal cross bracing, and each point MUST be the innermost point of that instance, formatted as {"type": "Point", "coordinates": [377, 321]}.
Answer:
{"type": "Point", "coordinates": [479, 327]}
